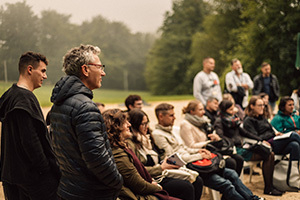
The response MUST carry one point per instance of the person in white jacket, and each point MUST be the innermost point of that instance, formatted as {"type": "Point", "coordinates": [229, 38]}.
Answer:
{"type": "Point", "coordinates": [228, 184]}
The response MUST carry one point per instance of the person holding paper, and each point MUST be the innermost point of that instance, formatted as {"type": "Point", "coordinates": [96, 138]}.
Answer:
{"type": "Point", "coordinates": [287, 119]}
{"type": "Point", "coordinates": [288, 123]}
{"type": "Point", "coordinates": [194, 133]}
{"type": "Point", "coordinates": [257, 124]}
{"type": "Point", "coordinates": [228, 183]}
{"type": "Point", "coordinates": [143, 145]}
{"type": "Point", "coordinates": [138, 183]}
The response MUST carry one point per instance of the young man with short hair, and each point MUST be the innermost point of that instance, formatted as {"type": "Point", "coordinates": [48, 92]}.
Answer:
{"type": "Point", "coordinates": [133, 101]}
{"type": "Point", "coordinates": [28, 165]}
{"type": "Point", "coordinates": [228, 183]}
{"type": "Point", "coordinates": [211, 109]}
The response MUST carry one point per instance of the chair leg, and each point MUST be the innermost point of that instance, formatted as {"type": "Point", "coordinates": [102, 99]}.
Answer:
{"type": "Point", "coordinates": [214, 195]}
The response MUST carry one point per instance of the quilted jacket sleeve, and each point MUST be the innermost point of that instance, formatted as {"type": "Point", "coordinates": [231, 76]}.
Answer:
{"type": "Point", "coordinates": [94, 145]}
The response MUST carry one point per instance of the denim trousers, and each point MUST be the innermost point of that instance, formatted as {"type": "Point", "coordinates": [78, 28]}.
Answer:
{"type": "Point", "coordinates": [229, 185]}
{"type": "Point", "coordinates": [289, 145]}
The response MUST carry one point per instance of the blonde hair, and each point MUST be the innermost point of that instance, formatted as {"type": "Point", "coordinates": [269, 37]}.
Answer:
{"type": "Point", "coordinates": [192, 105]}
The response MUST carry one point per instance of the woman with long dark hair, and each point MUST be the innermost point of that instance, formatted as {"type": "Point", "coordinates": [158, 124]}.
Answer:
{"type": "Point", "coordinates": [138, 183]}
{"type": "Point", "coordinates": [229, 125]}
{"type": "Point", "coordinates": [143, 145]}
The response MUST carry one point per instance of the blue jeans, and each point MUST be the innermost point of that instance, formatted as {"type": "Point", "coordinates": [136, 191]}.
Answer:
{"type": "Point", "coordinates": [229, 185]}
{"type": "Point", "coordinates": [289, 145]}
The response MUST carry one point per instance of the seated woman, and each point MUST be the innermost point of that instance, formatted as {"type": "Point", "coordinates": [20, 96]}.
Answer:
{"type": "Point", "coordinates": [256, 123]}
{"type": "Point", "coordinates": [228, 125]}
{"type": "Point", "coordinates": [143, 146]}
{"type": "Point", "coordinates": [238, 110]}
{"type": "Point", "coordinates": [138, 183]}
{"type": "Point", "coordinates": [228, 183]}
{"type": "Point", "coordinates": [286, 121]}
{"type": "Point", "coordinates": [268, 112]}
{"type": "Point", "coordinates": [193, 133]}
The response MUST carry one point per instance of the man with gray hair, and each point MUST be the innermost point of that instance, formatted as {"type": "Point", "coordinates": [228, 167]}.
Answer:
{"type": "Point", "coordinates": [80, 140]}
{"type": "Point", "coordinates": [238, 83]}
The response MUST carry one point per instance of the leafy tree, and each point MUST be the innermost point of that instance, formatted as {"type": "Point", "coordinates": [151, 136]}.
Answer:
{"type": "Point", "coordinates": [56, 36]}
{"type": "Point", "coordinates": [19, 33]}
{"type": "Point", "coordinates": [169, 58]}
{"type": "Point", "coordinates": [123, 52]}
{"type": "Point", "coordinates": [217, 38]}
{"type": "Point", "coordinates": [269, 34]}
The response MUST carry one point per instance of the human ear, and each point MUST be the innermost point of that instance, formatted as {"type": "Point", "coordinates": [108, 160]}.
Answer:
{"type": "Point", "coordinates": [84, 70]}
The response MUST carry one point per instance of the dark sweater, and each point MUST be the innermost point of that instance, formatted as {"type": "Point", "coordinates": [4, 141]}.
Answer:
{"type": "Point", "coordinates": [26, 152]}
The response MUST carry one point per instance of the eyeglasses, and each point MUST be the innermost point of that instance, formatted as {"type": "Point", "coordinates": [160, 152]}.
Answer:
{"type": "Point", "coordinates": [98, 66]}
{"type": "Point", "coordinates": [144, 124]}
{"type": "Point", "coordinates": [260, 105]}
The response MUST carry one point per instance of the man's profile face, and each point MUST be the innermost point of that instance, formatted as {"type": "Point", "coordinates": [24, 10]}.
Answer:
{"type": "Point", "coordinates": [38, 74]}
{"type": "Point", "coordinates": [209, 64]}
{"type": "Point", "coordinates": [266, 70]}
{"type": "Point", "coordinates": [95, 74]}
{"type": "Point", "coordinates": [212, 105]}
{"type": "Point", "coordinates": [236, 65]}
{"type": "Point", "coordinates": [168, 118]}
{"type": "Point", "coordinates": [138, 104]}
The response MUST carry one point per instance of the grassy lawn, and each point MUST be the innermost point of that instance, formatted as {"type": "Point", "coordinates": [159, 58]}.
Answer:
{"type": "Point", "coordinates": [100, 95]}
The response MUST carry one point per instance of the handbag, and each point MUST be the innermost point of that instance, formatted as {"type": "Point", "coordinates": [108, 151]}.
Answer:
{"type": "Point", "coordinates": [223, 146]}
{"type": "Point", "coordinates": [181, 173]}
{"type": "Point", "coordinates": [206, 167]}
{"type": "Point", "coordinates": [286, 176]}
{"type": "Point", "coordinates": [259, 148]}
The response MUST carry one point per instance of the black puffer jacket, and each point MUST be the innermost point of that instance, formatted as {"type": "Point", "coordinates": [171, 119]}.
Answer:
{"type": "Point", "coordinates": [81, 145]}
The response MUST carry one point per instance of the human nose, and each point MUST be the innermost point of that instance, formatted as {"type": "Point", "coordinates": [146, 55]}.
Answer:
{"type": "Point", "coordinates": [103, 73]}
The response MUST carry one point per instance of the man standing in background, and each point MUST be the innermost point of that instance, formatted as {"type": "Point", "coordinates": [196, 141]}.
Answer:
{"type": "Point", "coordinates": [238, 83]}
{"type": "Point", "coordinates": [267, 83]}
{"type": "Point", "coordinates": [206, 82]}
{"type": "Point", "coordinates": [28, 165]}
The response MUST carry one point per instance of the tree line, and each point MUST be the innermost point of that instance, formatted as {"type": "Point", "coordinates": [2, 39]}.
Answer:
{"type": "Point", "coordinates": [52, 34]}
{"type": "Point", "coordinates": [252, 31]}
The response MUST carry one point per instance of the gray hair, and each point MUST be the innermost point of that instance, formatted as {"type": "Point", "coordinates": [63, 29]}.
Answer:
{"type": "Point", "coordinates": [78, 56]}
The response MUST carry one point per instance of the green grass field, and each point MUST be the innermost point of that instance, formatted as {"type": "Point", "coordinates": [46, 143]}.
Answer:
{"type": "Point", "coordinates": [100, 95]}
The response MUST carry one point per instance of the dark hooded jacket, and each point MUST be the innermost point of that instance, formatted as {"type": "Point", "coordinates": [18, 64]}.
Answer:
{"type": "Point", "coordinates": [81, 144]}
{"type": "Point", "coordinates": [26, 152]}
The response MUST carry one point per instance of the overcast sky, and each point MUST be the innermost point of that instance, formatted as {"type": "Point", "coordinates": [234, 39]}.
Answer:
{"type": "Point", "coordinates": [138, 15]}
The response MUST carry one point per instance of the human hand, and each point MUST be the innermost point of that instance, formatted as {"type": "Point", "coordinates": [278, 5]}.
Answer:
{"type": "Point", "coordinates": [267, 143]}
{"type": "Point", "coordinates": [278, 133]}
{"type": "Point", "coordinates": [155, 183]}
{"type": "Point", "coordinates": [164, 165]}
{"type": "Point", "coordinates": [214, 137]}
{"type": "Point", "coordinates": [244, 85]}
{"type": "Point", "coordinates": [205, 153]}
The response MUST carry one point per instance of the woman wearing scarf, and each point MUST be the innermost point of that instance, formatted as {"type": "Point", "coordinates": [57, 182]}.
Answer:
{"type": "Point", "coordinates": [143, 145]}
{"type": "Point", "coordinates": [193, 131]}
{"type": "Point", "coordinates": [138, 183]}
{"type": "Point", "coordinates": [229, 125]}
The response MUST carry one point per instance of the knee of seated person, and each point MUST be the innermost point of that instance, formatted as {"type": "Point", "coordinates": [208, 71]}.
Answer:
{"type": "Point", "coordinates": [295, 136]}
{"type": "Point", "coordinates": [294, 145]}
{"type": "Point", "coordinates": [230, 173]}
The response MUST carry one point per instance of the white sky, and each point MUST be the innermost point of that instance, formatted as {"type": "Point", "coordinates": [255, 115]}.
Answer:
{"type": "Point", "coordinates": [137, 15]}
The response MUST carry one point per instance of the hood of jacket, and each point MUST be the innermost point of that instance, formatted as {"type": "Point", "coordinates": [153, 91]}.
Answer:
{"type": "Point", "coordinates": [69, 86]}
